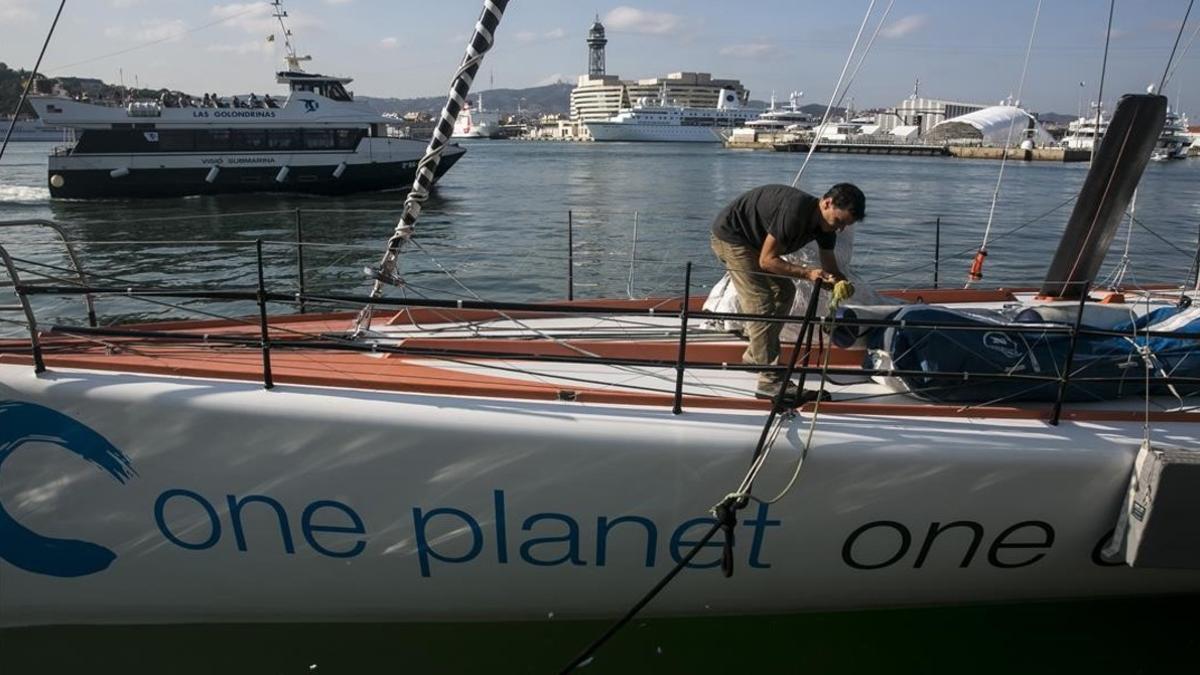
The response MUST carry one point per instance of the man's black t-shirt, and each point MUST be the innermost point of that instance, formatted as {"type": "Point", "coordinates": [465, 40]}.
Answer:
{"type": "Point", "coordinates": [779, 210]}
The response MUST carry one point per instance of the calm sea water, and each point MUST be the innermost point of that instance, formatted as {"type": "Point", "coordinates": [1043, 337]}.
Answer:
{"type": "Point", "coordinates": [497, 224]}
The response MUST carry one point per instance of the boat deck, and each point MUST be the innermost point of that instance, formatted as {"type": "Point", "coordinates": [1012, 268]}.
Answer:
{"type": "Point", "coordinates": [611, 359]}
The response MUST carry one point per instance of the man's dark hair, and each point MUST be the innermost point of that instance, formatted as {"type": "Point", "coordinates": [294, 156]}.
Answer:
{"type": "Point", "coordinates": [848, 197]}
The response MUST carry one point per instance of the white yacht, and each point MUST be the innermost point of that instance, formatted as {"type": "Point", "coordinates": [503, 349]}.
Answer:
{"type": "Point", "coordinates": [1083, 133]}
{"type": "Point", "coordinates": [474, 121]}
{"type": "Point", "coordinates": [315, 139]}
{"type": "Point", "coordinates": [1174, 141]}
{"type": "Point", "coordinates": [659, 121]}
{"type": "Point", "coordinates": [783, 119]}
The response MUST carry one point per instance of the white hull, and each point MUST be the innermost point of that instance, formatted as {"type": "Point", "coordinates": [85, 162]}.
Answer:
{"type": "Point", "coordinates": [477, 124]}
{"type": "Point", "coordinates": [617, 131]}
{"type": "Point", "coordinates": [454, 494]}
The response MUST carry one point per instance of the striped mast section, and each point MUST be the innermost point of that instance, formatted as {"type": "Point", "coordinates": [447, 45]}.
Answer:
{"type": "Point", "coordinates": [460, 86]}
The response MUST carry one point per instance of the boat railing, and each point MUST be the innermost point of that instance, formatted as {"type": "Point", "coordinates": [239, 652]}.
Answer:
{"type": "Point", "coordinates": [72, 281]}
{"type": "Point", "coordinates": [15, 282]}
{"type": "Point", "coordinates": [678, 307]}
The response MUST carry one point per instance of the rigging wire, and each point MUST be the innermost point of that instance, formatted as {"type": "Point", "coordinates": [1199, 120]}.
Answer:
{"type": "Point", "coordinates": [976, 272]}
{"type": "Point", "coordinates": [1112, 4]}
{"type": "Point", "coordinates": [1182, 55]}
{"type": "Point", "coordinates": [478, 46]}
{"type": "Point", "coordinates": [866, 50]}
{"type": "Point", "coordinates": [837, 87]}
{"type": "Point", "coordinates": [32, 76]}
{"type": "Point", "coordinates": [173, 36]}
{"type": "Point", "coordinates": [1167, 69]}
{"type": "Point", "coordinates": [1118, 275]}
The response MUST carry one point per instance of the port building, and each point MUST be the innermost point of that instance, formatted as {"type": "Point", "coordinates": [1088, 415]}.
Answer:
{"type": "Point", "coordinates": [599, 96]}
{"type": "Point", "coordinates": [924, 113]}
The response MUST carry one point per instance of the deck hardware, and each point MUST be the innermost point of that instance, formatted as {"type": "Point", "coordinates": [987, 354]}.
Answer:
{"type": "Point", "coordinates": [683, 324]}
{"type": "Point", "coordinates": [570, 256]}
{"type": "Point", "coordinates": [268, 381]}
{"type": "Point", "coordinates": [300, 261]}
{"type": "Point", "coordinates": [1056, 414]}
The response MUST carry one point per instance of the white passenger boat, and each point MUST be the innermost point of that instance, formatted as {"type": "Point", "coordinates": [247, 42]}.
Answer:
{"type": "Point", "coordinates": [314, 139]}
{"type": "Point", "coordinates": [472, 461]}
{"type": "Point", "coordinates": [658, 121]}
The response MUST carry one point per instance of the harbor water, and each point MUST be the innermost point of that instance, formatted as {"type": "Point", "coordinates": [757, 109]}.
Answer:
{"type": "Point", "coordinates": [497, 228]}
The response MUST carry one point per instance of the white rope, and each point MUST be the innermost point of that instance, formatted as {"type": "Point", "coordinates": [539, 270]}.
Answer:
{"type": "Point", "coordinates": [743, 490]}
{"type": "Point", "coordinates": [1118, 276]}
{"type": "Point", "coordinates": [1008, 139]}
{"type": "Point", "coordinates": [833, 97]}
{"type": "Point", "coordinates": [866, 50]}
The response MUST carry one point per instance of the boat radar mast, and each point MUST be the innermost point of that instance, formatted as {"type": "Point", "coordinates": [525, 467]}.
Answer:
{"type": "Point", "coordinates": [290, 58]}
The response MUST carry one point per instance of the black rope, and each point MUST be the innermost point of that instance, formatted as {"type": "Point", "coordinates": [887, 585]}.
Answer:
{"type": "Point", "coordinates": [726, 511]}
{"type": "Point", "coordinates": [599, 642]}
{"type": "Point", "coordinates": [1161, 238]}
{"type": "Point", "coordinates": [1167, 69]}
{"type": "Point", "coordinates": [32, 76]}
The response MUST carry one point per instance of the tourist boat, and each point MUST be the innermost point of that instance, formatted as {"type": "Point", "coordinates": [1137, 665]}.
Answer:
{"type": "Point", "coordinates": [659, 121]}
{"type": "Point", "coordinates": [477, 122]}
{"type": "Point", "coordinates": [317, 139]}
{"type": "Point", "coordinates": [429, 460]}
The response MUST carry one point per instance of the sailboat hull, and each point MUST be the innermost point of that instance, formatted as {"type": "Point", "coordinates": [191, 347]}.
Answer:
{"type": "Point", "coordinates": [306, 503]}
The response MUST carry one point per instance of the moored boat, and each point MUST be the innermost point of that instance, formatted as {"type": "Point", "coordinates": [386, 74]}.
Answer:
{"type": "Point", "coordinates": [659, 121]}
{"type": "Point", "coordinates": [315, 139]}
{"type": "Point", "coordinates": [462, 460]}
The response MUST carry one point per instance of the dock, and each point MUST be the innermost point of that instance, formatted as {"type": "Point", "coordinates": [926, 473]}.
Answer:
{"type": "Point", "coordinates": [919, 150]}
{"type": "Point", "coordinates": [1017, 154]}
{"type": "Point", "coordinates": [789, 142]}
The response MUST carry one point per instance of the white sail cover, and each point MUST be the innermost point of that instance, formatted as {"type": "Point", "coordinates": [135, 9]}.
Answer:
{"type": "Point", "coordinates": [992, 126]}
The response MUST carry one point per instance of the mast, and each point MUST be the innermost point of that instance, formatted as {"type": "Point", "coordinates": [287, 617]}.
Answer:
{"type": "Point", "coordinates": [1117, 167]}
{"type": "Point", "coordinates": [289, 57]}
{"type": "Point", "coordinates": [480, 42]}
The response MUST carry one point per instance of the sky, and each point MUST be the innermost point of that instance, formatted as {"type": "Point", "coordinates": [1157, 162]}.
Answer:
{"type": "Point", "coordinates": [965, 50]}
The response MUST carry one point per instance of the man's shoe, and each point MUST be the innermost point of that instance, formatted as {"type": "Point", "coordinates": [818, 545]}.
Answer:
{"type": "Point", "coordinates": [793, 397]}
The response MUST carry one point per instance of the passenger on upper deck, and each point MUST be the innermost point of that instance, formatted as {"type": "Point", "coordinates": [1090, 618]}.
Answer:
{"type": "Point", "coordinates": [269, 102]}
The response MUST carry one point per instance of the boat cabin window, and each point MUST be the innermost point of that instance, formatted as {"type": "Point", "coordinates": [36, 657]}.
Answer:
{"type": "Point", "coordinates": [331, 90]}
{"type": "Point", "coordinates": [217, 140]}
{"type": "Point", "coordinates": [336, 92]}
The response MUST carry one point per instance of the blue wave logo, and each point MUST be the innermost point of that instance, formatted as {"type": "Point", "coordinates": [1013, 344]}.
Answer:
{"type": "Point", "coordinates": [22, 423]}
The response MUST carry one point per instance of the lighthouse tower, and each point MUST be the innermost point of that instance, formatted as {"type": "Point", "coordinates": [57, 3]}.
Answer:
{"type": "Point", "coordinates": [596, 42]}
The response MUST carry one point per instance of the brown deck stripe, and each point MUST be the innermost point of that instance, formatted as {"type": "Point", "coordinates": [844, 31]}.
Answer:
{"type": "Point", "coordinates": [398, 375]}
